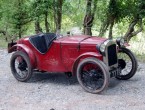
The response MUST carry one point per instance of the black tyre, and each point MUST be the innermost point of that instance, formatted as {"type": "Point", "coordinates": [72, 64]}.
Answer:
{"type": "Point", "coordinates": [93, 75]}
{"type": "Point", "coordinates": [20, 66]}
{"type": "Point", "coordinates": [129, 61]}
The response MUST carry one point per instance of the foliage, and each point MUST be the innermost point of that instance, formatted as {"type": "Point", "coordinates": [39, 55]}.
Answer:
{"type": "Point", "coordinates": [112, 18]}
{"type": "Point", "coordinates": [115, 17]}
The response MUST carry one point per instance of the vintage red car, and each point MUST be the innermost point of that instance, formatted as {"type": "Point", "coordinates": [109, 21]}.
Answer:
{"type": "Point", "coordinates": [93, 60]}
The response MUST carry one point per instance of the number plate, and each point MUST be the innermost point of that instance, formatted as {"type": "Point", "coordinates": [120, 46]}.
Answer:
{"type": "Point", "coordinates": [115, 72]}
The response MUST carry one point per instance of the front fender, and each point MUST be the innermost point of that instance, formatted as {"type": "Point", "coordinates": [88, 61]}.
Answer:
{"type": "Point", "coordinates": [85, 55]}
{"type": "Point", "coordinates": [22, 47]}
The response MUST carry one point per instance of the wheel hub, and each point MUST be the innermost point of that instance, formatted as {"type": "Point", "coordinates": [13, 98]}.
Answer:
{"type": "Point", "coordinates": [122, 63]}
{"type": "Point", "coordinates": [22, 66]}
{"type": "Point", "coordinates": [94, 75]}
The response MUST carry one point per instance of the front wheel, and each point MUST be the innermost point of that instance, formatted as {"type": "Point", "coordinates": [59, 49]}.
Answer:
{"type": "Point", "coordinates": [20, 66]}
{"type": "Point", "coordinates": [93, 75]}
{"type": "Point", "coordinates": [128, 62]}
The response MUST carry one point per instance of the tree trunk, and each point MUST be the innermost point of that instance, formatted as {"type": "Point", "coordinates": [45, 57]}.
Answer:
{"type": "Point", "coordinates": [111, 28]}
{"type": "Point", "coordinates": [58, 14]}
{"type": "Point", "coordinates": [88, 23]}
{"type": "Point", "coordinates": [110, 19]}
{"type": "Point", "coordinates": [104, 27]}
{"type": "Point", "coordinates": [89, 17]}
{"type": "Point", "coordinates": [19, 24]}
{"type": "Point", "coordinates": [87, 31]}
{"type": "Point", "coordinates": [19, 31]}
{"type": "Point", "coordinates": [4, 33]}
{"type": "Point", "coordinates": [37, 27]}
{"type": "Point", "coordinates": [46, 22]}
{"type": "Point", "coordinates": [131, 31]}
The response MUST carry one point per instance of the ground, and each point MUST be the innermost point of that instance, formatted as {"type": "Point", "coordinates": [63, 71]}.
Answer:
{"type": "Point", "coordinates": [47, 91]}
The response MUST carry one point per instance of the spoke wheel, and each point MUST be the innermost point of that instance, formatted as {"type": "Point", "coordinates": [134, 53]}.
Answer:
{"type": "Point", "coordinates": [20, 66]}
{"type": "Point", "coordinates": [93, 75]}
{"type": "Point", "coordinates": [128, 61]}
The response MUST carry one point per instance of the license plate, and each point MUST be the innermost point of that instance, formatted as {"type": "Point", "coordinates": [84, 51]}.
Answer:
{"type": "Point", "coordinates": [115, 72]}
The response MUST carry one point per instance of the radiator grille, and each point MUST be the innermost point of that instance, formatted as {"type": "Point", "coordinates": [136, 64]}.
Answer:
{"type": "Point", "coordinates": [112, 55]}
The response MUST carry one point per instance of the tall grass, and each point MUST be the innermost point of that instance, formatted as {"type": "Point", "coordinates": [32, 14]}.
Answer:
{"type": "Point", "coordinates": [137, 45]}
{"type": "Point", "coordinates": [3, 43]}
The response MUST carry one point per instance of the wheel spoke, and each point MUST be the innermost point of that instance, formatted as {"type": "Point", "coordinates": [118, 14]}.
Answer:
{"type": "Point", "coordinates": [21, 67]}
{"type": "Point", "coordinates": [92, 78]}
{"type": "Point", "coordinates": [128, 62]}
{"type": "Point", "coordinates": [92, 75]}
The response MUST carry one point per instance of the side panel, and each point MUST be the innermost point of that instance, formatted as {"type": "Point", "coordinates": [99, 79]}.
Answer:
{"type": "Point", "coordinates": [72, 53]}
{"type": "Point", "coordinates": [51, 60]}
{"type": "Point", "coordinates": [69, 53]}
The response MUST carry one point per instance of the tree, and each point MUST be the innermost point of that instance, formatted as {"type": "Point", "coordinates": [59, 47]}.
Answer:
{"type": "Point", "coordinates": [89, 17]}
{"type": "Point", "coordinates": [121, 10]}
{"type": "Point", "coordinates": [5, 16]}
{"type": "Point", "coordinates": [20, 17]}
{"type": "Point", "coordinates": [55, 15]}
{"type": "Point", "coordinates": [137, 19]}
{"type": "Point", "coordinates": [36, 13]}
{"type": "Point", "coordinates": [57, 9]}
{"type": "Point", "coordinates": [112, 15]}
{"type": "Point", "coordinates": [46, 8]}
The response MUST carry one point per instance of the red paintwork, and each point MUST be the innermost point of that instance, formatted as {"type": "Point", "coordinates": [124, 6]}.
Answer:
{"type": "Point", "coordinates": [25, 48]}
{"type": "Point", "coordinates": [64, 53]}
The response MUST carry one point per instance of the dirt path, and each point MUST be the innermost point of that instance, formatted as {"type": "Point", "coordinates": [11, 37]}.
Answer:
{"type": "Point", "coordinates": [56, 91]}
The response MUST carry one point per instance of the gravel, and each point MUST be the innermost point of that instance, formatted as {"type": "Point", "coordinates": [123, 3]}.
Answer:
{"type": "Point", "coordinates": [47, 91]}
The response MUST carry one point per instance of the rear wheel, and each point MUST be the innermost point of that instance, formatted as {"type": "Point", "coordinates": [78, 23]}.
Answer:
{"type": "Point", "coordinates": [128, 62]}
{"type": "Point", "coordinates": [20, 66]}
{"type": "Point", "coordinates": [92, 74]}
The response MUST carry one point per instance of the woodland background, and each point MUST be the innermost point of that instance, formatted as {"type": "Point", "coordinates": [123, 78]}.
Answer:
{"type": "Point", "coordinates": [105, 18]}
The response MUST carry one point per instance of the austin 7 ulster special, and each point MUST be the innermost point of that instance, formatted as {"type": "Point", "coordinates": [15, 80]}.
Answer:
{"type": "Point", "coordinates": [93, 60]}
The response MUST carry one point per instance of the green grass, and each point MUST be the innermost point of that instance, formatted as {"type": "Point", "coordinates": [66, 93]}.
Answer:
{"type": "Point", "coordinates": [141, 58]}
{"type": "Point", "coordinates": [137, 46]}
{"type": "Point", "coordinates": [3, 43]}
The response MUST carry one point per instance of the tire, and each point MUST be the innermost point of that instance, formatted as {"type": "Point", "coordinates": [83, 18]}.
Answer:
{"type": "Point", "coordinates": [93, 69]}
{"type": "Point", "coordinates": [23, 71]}
{"type": "Point", "coordinates": [133, 62]}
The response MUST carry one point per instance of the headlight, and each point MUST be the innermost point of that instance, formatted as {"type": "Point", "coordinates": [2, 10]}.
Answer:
{"type": "Point", "coordinates": [120, 41]}
{"type": "Point", "coordinates": [102, 47]}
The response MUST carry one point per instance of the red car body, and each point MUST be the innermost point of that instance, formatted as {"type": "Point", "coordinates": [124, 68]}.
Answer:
{"type": "Point", "coordinates": [92, 59]}
{"type": "Point", "coordinates": [63, 53]}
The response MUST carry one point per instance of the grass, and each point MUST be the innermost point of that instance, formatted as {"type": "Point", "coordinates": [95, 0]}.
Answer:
{"type": "Point", "coordinates": [141, 58]}
{"type": "Point", "coordinates": [3, 43]}
{"type": "Point", "coordinates": [138, 48]}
